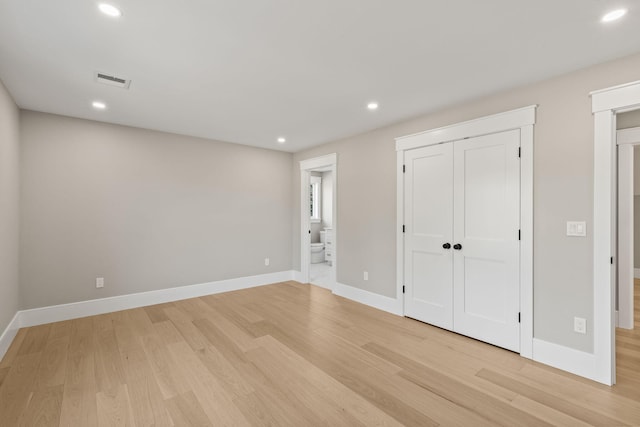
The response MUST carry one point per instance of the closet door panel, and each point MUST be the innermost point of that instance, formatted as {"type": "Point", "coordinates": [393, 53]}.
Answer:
{"type": "Point", "coordinates": [486, 223]}
{"type": "Point", "coordinates": [428, 226]}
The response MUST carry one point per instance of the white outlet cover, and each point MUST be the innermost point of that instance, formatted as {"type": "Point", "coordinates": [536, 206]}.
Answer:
{"type": "Point", "coordinates": [99, 282]}
{"type": "Point", "coordinates": [576, 228]}
{"type": "Point", "coordinates": [366, 275]}
{"type": "Point", "coordinates": [580, 325]}
{"type": "Point", "coordinates": [266, 261]}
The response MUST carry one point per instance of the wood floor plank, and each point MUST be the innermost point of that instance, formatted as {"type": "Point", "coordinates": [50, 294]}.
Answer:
{"type": "Point", "coordinates": [113, 408]}
{"type": "Point", "coordinates": [44, 408]}
{"type": "Point", "coordinates": [54, 362]}
{"type": "Point", "coordinates": [185, 410]}
{"type": "Point", "coordinates": [17, 389]}
{"type": "Point", "coordinates": [291, 354]}
{"type": "Point", "coordinates": [562, 405]}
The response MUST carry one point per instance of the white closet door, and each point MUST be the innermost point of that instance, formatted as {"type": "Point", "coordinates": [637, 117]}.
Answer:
{"type": "Point", "coordinates": [486, 224]}
{"type": "Point", "coordinates": [428, 226]}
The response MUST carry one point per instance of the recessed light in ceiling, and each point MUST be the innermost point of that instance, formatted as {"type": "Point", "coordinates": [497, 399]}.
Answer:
{"type": "Point", "coordinates": [281, 140]}
{"type": "Point", "coordinates": [614, 15]}
{"type": "Point", "coordinates": [109, 9]}
{"type": "Point", "coordinates": [99, 105]}
{"type": "Point", "coordinates": [372, 106]}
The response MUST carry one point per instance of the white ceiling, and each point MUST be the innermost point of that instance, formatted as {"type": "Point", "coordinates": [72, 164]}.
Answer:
{"type": "Point", "coordinates": [249, 71]}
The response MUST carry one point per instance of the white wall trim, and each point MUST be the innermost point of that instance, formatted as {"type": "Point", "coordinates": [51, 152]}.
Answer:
{"type": "Point", "coordinates": [319, 162]}
{"type": "Point", "coordinates": [605, 104]}
{"type": "Point", "coordinates": [522, 119]}
{"type": "Point", "coordinates": [513, 119]}
{"type": "Point", "coordinates": [57, 313]}
{"type": "Point", "coordinates": [9, 334]}
{"type": "Point", "coordinates": [628, 136]}
{"type": "Point", "coordinates": [329, 161]}
{"type": "Point", "coordinates": [565, 358]}
{"type": "Point", "coordinates": [297, 276]}
{"type": "Point", "coordinates": [381, 302]}
{"type": "Point", "coordinates": [622, 97]}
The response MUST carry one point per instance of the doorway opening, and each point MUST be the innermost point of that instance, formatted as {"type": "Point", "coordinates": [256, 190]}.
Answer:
{"type": "Point", "coordinates": [606, 105]}
{"type": "Point", "coordinates": [318, 211]}
{"type": "Point", "coordinates": [628, 251]}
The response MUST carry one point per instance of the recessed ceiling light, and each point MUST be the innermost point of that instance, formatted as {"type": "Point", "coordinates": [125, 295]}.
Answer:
{"type": "Point", "coordinates": [109, 9]}
{"type": "Point", "coordinates": [281, 140]}
{"type": "Point", "coordinates": [372, 106]}
{"type": "Point", "coordinates": [99, 105]}
{"type": "Point", "coordinates": [614, 15]}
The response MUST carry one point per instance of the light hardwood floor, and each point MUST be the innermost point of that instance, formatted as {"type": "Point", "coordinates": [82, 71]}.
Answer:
{"type": "Point", "coordinates": [291, 355]}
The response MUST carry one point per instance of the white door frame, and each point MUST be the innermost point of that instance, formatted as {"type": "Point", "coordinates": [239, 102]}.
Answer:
{"type": "Point", "coordinates": [605, 104]}
{"type": "Point", "coordinates": [522, 119]}
{"type": "Point", "coordinates": [330, 161]}
{"type": "Point", "coordinates": [626, 140]}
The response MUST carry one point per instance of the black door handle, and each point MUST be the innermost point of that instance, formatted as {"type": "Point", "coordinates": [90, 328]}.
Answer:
{"type": "Point", "coordinates": [447, 246]}
{"type": "Point", "coordinates": [457, 246]}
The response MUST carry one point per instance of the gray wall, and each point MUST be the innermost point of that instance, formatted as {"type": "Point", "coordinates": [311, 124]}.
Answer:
{"type": "Point", "coordinates": [563, 179]}
{"type": "Point", "coordinates": [628, 120]}
{"type": "Point", "coordinates": [145, 210]}
{"type": "Point", "coordinates": [9, 203]}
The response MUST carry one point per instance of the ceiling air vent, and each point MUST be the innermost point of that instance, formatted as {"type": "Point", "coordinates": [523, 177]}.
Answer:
{"type": "Point", "coordinates": [107, 79]}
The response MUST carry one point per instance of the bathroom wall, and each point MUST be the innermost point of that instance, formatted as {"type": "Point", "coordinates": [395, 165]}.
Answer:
{"type": "Point", "coordinates": [317, 226]}
{"type": "Point", "coordinates": [327, 199]}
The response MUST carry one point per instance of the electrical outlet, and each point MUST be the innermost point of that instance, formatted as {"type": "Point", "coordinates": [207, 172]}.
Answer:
{"type": "Point", "coordinates": [580, 325]}
{"type": "Point", "coordinates": [366, 275]}
{"type": "Point", "coordinates": [266, 261]}
{"type": "Point", "coordinates": [99, 282]}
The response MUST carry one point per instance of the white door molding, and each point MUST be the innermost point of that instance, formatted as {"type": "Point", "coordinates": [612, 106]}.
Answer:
{"type": "Point", "coordinates": [626, 139]}
{"type": "Point", "coordinates": [330, 163]}
{"type": "Point", "coordinates": [522, 119]}
{"type": "Point", "coordinates": [605, 104]}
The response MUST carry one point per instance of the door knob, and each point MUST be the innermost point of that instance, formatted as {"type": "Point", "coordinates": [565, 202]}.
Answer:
{"type": "Point", "coordinates": [447, 246]}
{"type": "Point", "coordinates": [457, 246]}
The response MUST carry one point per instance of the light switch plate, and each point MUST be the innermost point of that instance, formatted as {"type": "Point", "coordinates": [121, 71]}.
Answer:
{"type": "Point", "coordinates": [576, 228]}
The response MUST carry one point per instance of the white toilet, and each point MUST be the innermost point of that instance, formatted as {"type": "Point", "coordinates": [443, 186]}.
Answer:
{"type": "Point", "coordinates": [317, 253]}
{"type": "Point", "coordinates": [317, 250]}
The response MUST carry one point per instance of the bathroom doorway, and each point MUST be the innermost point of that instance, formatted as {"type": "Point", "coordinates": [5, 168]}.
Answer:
{"type": "Point", "coordinates": [318, 209]}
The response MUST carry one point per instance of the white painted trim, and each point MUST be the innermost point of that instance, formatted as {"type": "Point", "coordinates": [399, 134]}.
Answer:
{"type": "Point", "coordinates": [636, 273]}
{"type": "Point", "coordinates": [624, 282]}
{"type": "Point", "coordinates": [628, 136]}
{"type": "Point", "coordinates": [57, 313]}
{"type": "Point", "coordinates": [319, 162]}
{"type": "Point", "coordinates": [507, 120]}
{"type": "Point", "coordinates": [329, 161]}
{"type": "Point", "coordinates": [9, 334]}
{"type": "Point", "coordinates": [622, 97]}
{"type": "Point", "coordinates": [605, 104]}
{"type": "Point", "coordinates": [526, 241]}
{"type": "Point", "coordinates": [297, 276]}
{"type": "Point", "coordinates": [381, 302]}
{"type": "Point", "coordinates": [523, 119]}
{"type": "Point", "coordinates": [305, 225]}
{"type": "Point", "coordinates": [565, 358]}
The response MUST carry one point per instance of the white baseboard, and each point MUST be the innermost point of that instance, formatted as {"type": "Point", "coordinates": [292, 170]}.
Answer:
{"type": "Point", "coordinates": [378, 301]}
{"type": "Point", "coordinates": [297, 276]}
{"type": "Point", "coordinates": [9, 334]}
{"type": "Point", "coordinates": [636, 273]}
{"type": "Point", "coordinates": [567, 359]}
{"type": "Point", "coordinates": [57, 313]}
